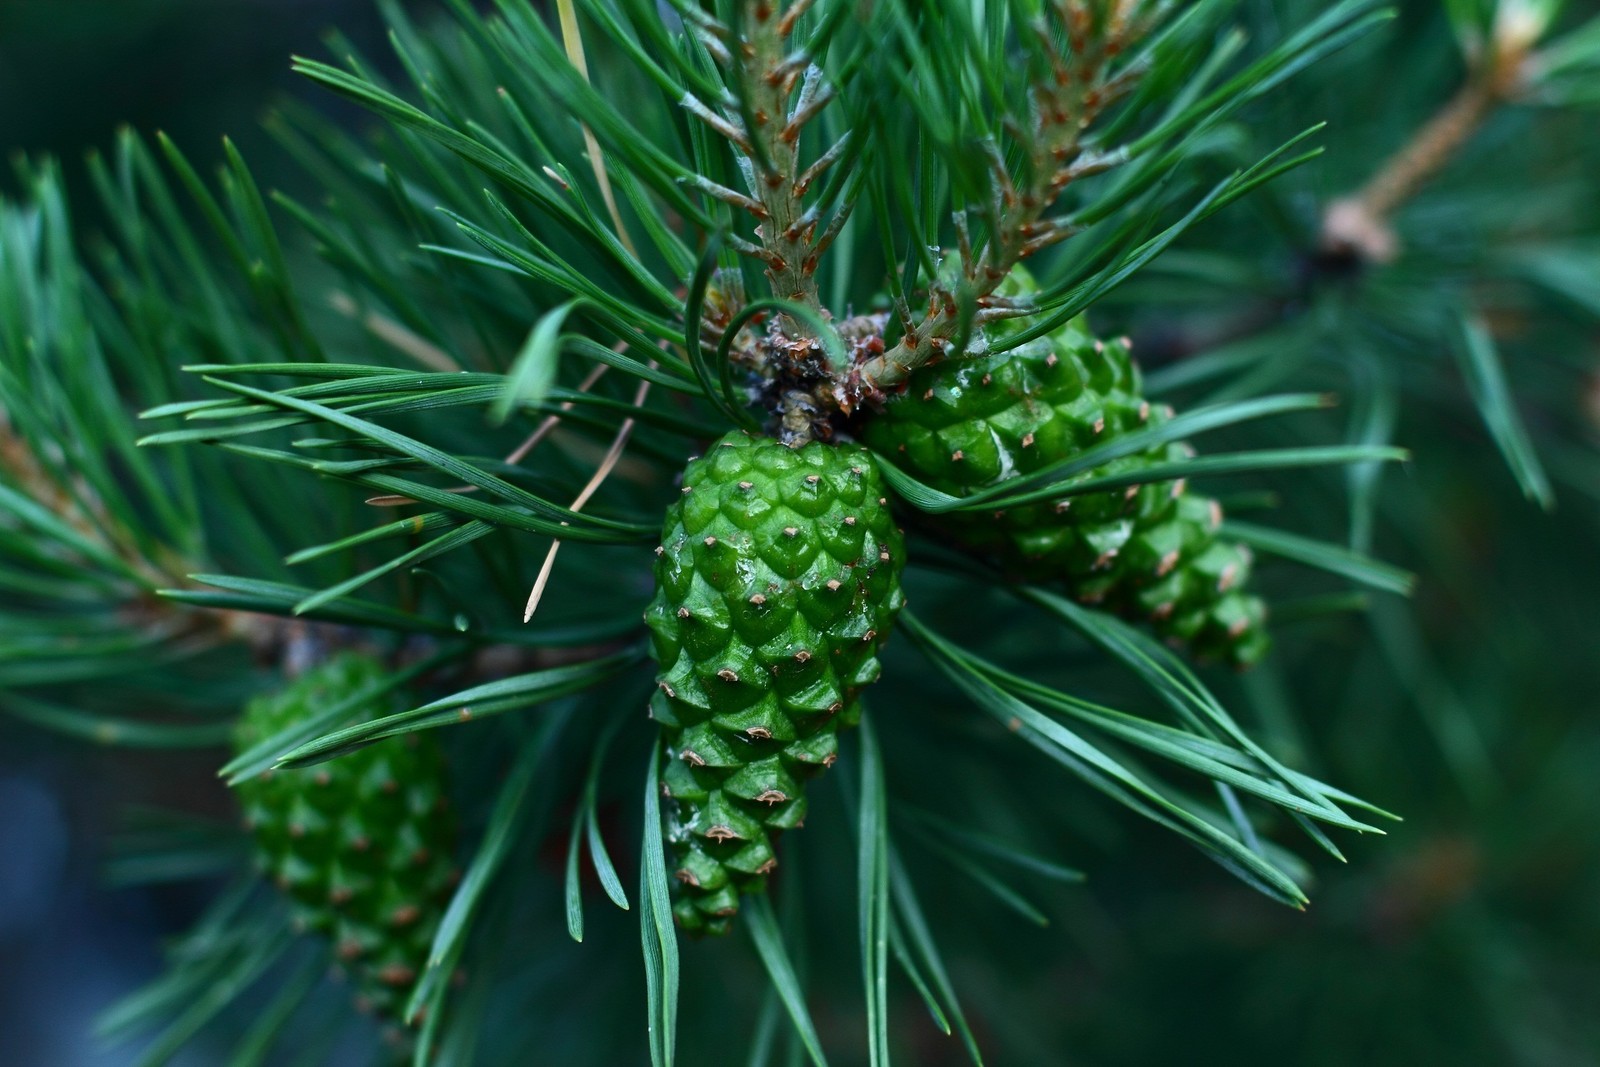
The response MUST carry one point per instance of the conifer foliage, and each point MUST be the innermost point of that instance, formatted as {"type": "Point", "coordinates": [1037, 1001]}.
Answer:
{"type": "Point", "coordinates": [587, 399]}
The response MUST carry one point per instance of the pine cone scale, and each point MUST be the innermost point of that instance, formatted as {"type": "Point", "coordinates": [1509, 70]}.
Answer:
{"type": "Point", "coordinates": [362, 845]}
{"type": "Point", "coordinates": [777, 582]}
{"type": "Point", "coordinates": [1148, 550]}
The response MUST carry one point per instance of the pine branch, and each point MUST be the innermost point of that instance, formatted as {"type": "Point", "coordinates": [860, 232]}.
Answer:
{"type": "Point", "coordinates": [896, 122]}
{"type": "Point", "coordinates": [1500, 70]}
{"type": "Point", "coordinates": [777, 91]}
{"type": "Point", "coordinates": [1080, 44]}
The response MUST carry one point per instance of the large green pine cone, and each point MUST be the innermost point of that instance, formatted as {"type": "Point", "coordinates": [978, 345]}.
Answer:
{"type": "Point", "coordinates": [777, 579]}
{"type": "Point", "coordinates": [363, 845]}
{"type": "Point", "coordinates": [1147, 552]}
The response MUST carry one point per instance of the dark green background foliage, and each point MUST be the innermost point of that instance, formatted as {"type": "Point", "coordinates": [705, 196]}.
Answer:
{"type": "Point", "coordinates": [73, 71]}
{"type": "Point", "coordinates": [1468, 935]}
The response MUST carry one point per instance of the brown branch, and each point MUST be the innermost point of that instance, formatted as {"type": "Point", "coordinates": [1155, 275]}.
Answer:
{"type": "Point", "coordinates": [1360, 223]}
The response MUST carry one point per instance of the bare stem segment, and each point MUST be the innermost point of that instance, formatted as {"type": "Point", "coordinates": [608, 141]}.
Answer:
{"type": "Point", "coordinates": [1360, 223]}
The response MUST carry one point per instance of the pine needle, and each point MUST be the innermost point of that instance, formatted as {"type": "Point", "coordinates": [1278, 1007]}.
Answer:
{"type": "Point", "coordinates": [516, 455]}
{"type": "Point", "coordinates": [602, 472]}
{"type": "Point", "coordinates": [572, 37]}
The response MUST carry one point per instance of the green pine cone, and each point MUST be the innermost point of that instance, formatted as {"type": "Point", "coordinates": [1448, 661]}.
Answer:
{"type": "Point", "coordinates": [777, 580]}
{"type": "Point", "coordinates": [363, 845]}
{"type": "Point", "coordinates": [1146, 552]}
